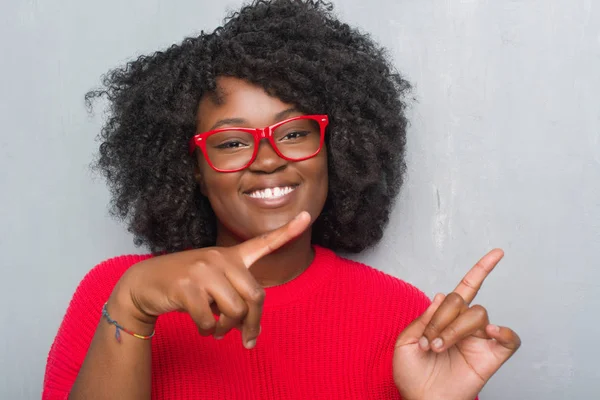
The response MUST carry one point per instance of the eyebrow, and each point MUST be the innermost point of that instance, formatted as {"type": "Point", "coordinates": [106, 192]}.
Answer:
{"type": "Point", "coordinates": [227, 121]}
{"type": "Point", "coordinates": [284, 114]}
{"type": "Point", "coordinates": [240, 121]}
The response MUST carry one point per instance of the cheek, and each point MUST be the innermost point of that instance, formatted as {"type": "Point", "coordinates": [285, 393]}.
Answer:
{"type": "Point", "coordinates": [321, 178]}
{"type": "Point", "coordinates": [324, 160]}
{"type": "Point", "coordinates": [202, 169]}
{"type": "Point", "coordinates": [324, 174]}
{"type": "Point", "coordinates": [220, 188]}
{"type": "Point", "coordinates": [215, 185]}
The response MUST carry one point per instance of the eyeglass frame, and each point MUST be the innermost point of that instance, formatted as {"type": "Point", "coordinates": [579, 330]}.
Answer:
{"type": "Point", "coordinates": [199, 140]}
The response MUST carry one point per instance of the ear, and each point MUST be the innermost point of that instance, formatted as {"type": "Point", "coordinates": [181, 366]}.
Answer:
{"type": "Point", "coordinates": [200, 179]}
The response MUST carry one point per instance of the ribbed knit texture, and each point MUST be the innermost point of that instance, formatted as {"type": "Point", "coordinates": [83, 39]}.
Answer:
{"type": "Point", "coordinates": [329, 333]}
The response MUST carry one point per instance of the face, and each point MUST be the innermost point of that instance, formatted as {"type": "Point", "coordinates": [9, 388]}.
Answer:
{"type": "Point", "coordinates": [271, 191]}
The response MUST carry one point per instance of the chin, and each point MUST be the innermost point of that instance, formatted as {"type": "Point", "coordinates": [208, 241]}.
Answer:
{"type": "Point", "coordinates": [271, 221]}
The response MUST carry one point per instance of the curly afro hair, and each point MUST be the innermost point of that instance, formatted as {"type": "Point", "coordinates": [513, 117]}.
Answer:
{"type": "Point", "coordinates": [297, 51]}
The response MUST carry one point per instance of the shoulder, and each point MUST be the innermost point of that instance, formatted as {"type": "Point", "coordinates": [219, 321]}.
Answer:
{"type": "Point", "coordinates": [358, 274]}
{"type": "Point", "coordinates": [115, 267]}
{"type": "Point", "coordinates": [97, 285]}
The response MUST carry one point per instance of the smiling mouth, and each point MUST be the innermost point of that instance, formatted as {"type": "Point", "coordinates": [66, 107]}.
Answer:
{"type": "Point", "coordinates": [272, 193]}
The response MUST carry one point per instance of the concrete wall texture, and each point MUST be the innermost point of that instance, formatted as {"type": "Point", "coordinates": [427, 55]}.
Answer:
{"type": "Point", "coordinates": [504, 151]}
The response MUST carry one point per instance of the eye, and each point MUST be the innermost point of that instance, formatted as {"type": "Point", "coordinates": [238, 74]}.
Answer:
{"type": "Point", "coordinates": [295, 135]}
{"type": "Point", "coordinates": [231, 144]}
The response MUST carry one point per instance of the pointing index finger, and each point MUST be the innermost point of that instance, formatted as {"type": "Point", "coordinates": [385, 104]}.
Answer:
{"type": "Point", "coordinates": [472, 281]}
{"type": "Point", "coordinates": [254, 249]}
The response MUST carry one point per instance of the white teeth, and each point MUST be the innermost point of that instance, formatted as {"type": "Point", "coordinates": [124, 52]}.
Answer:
{"type": "Point", "coordinates": [271, 193]}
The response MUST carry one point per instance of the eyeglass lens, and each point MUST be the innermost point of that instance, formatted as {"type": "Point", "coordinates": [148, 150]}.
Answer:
{"type": "Point", "coordinates": [232, 149]}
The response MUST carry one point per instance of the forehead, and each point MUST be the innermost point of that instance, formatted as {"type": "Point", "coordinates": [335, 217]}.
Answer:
{"type": "Point", "coordinates": [238, 99]}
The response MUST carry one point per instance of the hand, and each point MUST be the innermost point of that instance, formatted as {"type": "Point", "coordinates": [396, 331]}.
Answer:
{"type": "Point", "coordinates": [452, 350]}
{"type": "Point", "coordinates": [202, 282]}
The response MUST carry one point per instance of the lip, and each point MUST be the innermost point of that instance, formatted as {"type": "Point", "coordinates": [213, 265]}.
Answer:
{"type": "Point", "coordinates": [272, 203]}
{"type": "Point", "coordinates": [269, 184]}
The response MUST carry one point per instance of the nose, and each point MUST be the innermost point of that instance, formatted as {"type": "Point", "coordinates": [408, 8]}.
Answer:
{"type": "Point", "coordinates": [267, 160]}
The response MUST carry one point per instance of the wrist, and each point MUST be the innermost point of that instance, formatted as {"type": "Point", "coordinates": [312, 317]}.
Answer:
{"type": "Point", "coordinates": [123, 308]}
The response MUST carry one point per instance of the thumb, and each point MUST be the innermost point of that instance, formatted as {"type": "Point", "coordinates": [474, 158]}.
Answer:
{"type": "Point", "coordinates": [413, 332]}
{"type": "Point", "coordinates": [254, 249]}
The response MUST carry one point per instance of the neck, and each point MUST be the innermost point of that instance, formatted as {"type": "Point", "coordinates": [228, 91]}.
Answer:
{"type": "Point", "coordinates": [282, 265]}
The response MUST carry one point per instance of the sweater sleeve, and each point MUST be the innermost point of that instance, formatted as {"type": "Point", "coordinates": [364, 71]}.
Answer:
{"type": "Point", "coordinates": [79, 325]}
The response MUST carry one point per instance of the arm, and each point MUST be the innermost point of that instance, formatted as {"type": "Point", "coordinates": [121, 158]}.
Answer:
{"type": "Point", "coordinates": [79, 325]}
{"type": "Point", "coordinates": [112, 368]}
{"type": "Point", "coordinates": [191, 281]}
{"type": "Point", "coordinates": [451, 350]}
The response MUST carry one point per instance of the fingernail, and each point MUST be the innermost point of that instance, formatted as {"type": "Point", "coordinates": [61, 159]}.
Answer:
{"type": "Point", "coordinates": [437, 343]}
{"type": "Point", "coordinates": [495, 328]}
{"type": "Point", "coordinates": [423, 343]}
{"type": "Point", "coordinates": [250, 344]}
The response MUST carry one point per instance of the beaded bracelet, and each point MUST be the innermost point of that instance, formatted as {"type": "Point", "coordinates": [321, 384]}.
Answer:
{"type": "Point", "coordinates": [120, 328]}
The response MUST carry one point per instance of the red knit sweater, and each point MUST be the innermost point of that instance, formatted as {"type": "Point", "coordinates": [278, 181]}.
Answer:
{"type": "Point", "coordinates": [328, 334]}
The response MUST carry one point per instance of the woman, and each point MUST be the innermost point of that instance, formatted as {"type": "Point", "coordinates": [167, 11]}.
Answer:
{"type": "Point", "coordinates": [244, 158]}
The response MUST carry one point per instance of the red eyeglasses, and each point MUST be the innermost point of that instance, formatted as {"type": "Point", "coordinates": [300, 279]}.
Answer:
{"type": "Point", "coordinates": [233, 149]}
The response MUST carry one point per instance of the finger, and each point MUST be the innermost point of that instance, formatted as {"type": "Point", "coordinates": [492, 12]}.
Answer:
{"type": "Point", "coordinates": [224, 324]}
{"type": "Point", "coordinates": [452, 306]}
{"type": "Point", "coordinates": [254, 296]}
{"type": "Point", "coordinates": [229, 302]}
{"type": "Point", "coordinates": [414, 331]}
{"type": "Point", "coordinates": [467, 324]}
{"type": "Point", "coordinates": [508, 342]}
{"type": "Point", "coordinates": [251, 328]}
{"type": "Point", "coordinates": [471, 283]}
{"type": "Point", "coordinates": [254, 249]}
{"type": "Point", "coordinates": [197, 305]}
